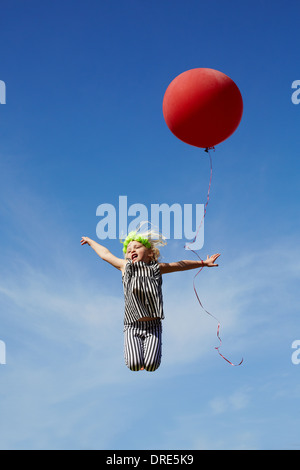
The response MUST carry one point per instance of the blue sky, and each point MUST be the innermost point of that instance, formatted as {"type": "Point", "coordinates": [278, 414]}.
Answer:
{"type": "Point", "coordinates": [82, 125]}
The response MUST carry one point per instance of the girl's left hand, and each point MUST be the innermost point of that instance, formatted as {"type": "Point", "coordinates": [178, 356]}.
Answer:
{"type": "Point", "coordinates": [210, 261]}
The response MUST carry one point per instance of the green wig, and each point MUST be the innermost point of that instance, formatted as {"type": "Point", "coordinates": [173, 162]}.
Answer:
{"type": "Point", "coordinates": [133, 236]}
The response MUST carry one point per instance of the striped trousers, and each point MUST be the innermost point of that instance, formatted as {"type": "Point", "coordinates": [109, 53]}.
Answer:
{"type": "Point", "coordinates": [142, 345]}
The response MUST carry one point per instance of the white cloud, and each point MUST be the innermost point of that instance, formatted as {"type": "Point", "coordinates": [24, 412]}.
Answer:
{"type": "Point", "coordinates": [237, 401]}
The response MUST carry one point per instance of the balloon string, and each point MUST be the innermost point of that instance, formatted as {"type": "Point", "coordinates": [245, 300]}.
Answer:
{"type": "Point", "coordinates": [206, 204]}
{"type": "Point", "coordinates": [207, 150]}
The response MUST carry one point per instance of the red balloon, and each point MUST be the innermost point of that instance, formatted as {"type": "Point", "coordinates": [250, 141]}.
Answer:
{"type": "Point", "coordinates": [202, 107]}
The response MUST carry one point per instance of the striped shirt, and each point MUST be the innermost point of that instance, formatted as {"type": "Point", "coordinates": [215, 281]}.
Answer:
{"type": "Point", "coordinates": [142, 285]}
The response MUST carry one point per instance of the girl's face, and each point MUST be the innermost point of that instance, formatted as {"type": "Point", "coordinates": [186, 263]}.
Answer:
{"type": "Point", "coordinates": [136, 251]}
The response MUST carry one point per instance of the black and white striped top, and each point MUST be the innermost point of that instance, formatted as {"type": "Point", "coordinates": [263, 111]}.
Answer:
{"type": "Point", "coordinates": [142, 285]}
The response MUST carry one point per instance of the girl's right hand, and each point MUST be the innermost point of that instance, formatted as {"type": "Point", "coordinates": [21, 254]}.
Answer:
{"type": "Point", "coordinates": [85, 241]}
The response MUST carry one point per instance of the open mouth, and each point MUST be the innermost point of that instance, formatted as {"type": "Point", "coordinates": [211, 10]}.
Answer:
{"type": "Point", "coordinates": [134, 256]}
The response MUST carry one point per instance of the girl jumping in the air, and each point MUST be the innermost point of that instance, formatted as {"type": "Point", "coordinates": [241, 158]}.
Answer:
{"type": "Point", "coordinates": [142, 282]}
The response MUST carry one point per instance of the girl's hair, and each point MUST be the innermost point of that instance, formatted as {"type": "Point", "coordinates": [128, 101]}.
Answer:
{"type": "Point", "coordinates": [145, 231]}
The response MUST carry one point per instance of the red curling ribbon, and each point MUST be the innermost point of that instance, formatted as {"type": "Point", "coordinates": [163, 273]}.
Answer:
{"type": "Point", "coordinates": [207, 150]}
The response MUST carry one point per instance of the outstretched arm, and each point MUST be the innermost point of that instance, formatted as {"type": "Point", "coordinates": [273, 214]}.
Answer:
{"type": "Point", "coordinates": [185, 265]}
{"type": "Point", "coordinates": [104, 253]}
